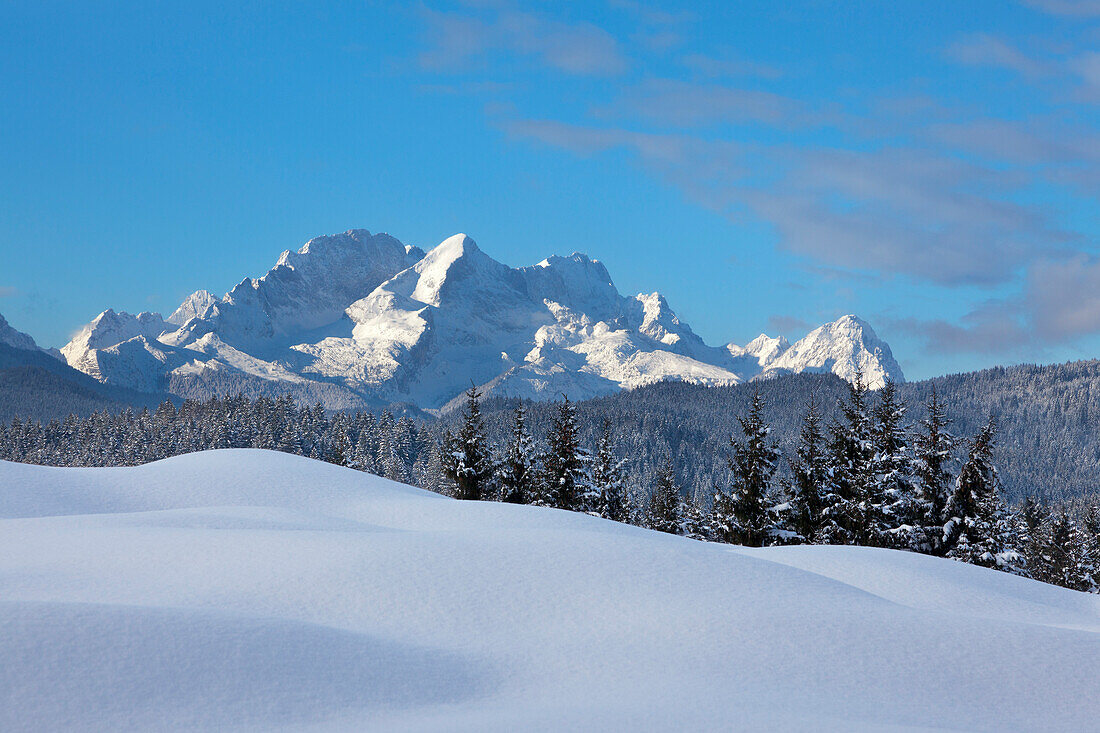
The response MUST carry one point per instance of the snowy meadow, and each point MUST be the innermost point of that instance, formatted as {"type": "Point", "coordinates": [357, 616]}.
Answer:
{"type": "Point", "coordinates": [250, 589]}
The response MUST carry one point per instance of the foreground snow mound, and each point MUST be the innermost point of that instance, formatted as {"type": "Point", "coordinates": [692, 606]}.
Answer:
{"type": "Point", "coordinates": [253, 590]}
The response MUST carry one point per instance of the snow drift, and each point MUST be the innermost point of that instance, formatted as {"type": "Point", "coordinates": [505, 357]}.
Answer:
{"type": "Point", "coordinates": [244, 589]}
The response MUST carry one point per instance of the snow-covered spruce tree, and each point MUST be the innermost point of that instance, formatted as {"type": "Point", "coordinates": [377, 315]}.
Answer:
{"type": "Point", "coordinates": [1065, 555]}
{"type": "Point", "coordinates": [341, 451]}
{"type": "Point", "coordinates": [1090, 520]}
{"type": "Point", "coordinates": [1090, 531]}
{"type": "Point", "coordinates": [1031, 523]}
{"type": "Point", "coordinates": [407, 442]}
{"type": "Point", "coordinates": [635, 503]}
{"type": "Point", "coordinates": [435, 477]}
{"type": "Point", "coordinates": [721, 522]}
{"type": "Point", "coordinates": [518, 473]}
{"type": "Point", "coordinates": [665, 512]}
{"type": "Point", "coordinates": [849, 487]}
{"type": "Point", "coordinates": [933, 447]}
{"type": "Point", "coordinates": [894, 507]}
{"type": "Point", "coordinates": [290, 441]}
{"type": "Point", "coordinates": [391, 461]}
{"type": "Point", "coordinates": [979, 528]}
{"type": "Point", "coordinates": [809, 473]}
{"type": "Point", "coordinates": [607, 478]}
{"type": "Point", "coordinates": [366, 445]}
{"type": "Point", "coordinates": [466, 457]}
{"type": "Point", "coordinates": [566, 465]}
{"type": "Point", "coordinates": [753, 465]}
{"type": "Point", "coordinates": [696, 523]}
{"type": "Point", "coordinates": [1090, 526]}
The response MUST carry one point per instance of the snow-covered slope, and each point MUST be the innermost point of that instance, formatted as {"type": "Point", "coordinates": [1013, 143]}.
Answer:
{"type": "Point", "coordinates": [847, 347]}
{"type": "Point", "coordinates": [358, 319]}
{"type": "Point", "coordinates": [247, 590]}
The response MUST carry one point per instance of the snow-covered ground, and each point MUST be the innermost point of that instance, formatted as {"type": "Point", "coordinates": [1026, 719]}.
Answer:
{"type": "Point", "coordinates": [253, 590]}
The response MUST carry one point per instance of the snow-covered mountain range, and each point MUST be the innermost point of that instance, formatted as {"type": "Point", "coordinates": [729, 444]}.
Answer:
{"type": "Point", "coordinates": [357, 320]}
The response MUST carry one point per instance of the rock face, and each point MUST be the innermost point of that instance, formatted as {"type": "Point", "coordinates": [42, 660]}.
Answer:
{"type": "Point", "coordinates": [358, 320]}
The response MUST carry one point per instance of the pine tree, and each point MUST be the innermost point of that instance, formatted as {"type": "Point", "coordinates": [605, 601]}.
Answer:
{"type": "Point", "coordinates": [290, 441]}
{"type": "Point", "coordinates": [753, 464]}
{"type": "Point", "coordinates": [665, 512]}
{"type": "Point", "coordinates": [1090, 526]}
{"type": "Point", "coordinates": [1065, 555]}
{"type": "Point", "coordinates": [849, 488]}
{"type": "Point", "coordinates": [518, 470]}
{"type": "Point", "coordinates": [721, 523]}
{"type": "Point", "coordinates": [695, 523]}
{"type": "Point", "coordinates": [1090, 520]}
{"type": "Point", "coordinates": [894, 507]}
{"type": "Point", "coordinates": [607, 479]}
{"type": "Point", "coordinates": [1031, 519]}
{"type": "Point", "coordinates": [467, 460]}
{"type": "Point", "coordinates": [979, 528]}
{"type": "Point", "coordinates": [932, 450]}
{"type": "Point", "coordinates": [390, 462]}
{"type": "Point", "coordinates": [566, 464]}
{"type": "Point", "coordinates": [809, 472]}
{"type": "Point", "coordinates": [367, 445]}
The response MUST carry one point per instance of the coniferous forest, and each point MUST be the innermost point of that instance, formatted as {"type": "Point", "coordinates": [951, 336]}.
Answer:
{"type": "Point", "coordinates": [863, 468]}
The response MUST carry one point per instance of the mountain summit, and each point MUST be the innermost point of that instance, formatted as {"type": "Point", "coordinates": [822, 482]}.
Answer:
{"type": "Point", "coordinates": [15, 339]}
{"type": "Point", "coordinates": [356, 320]}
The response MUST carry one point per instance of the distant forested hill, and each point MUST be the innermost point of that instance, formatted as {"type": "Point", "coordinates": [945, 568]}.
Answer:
{"type": "Point", "coordinates": [36, 386]}
{"type": "Point", "coordinates": [1049, 416]}
{"type": "Point", "coordinates": [1049, 444]}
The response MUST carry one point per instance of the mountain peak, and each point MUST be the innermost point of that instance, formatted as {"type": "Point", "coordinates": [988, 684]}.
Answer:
{"type": "Point", "coordinates": [455, 259]}
{"type": "Point", "coordinates": [454, 246]}
{"type": "Point", "coordinates": [15, 339]}
{"type": "Point", "coordinates": [766, 347]}
{"type": "Point", "coordinates": [195, 305]}
{"type": "Point", "coordinates": [848, 347]}
{"type": "Point", "coordinates": [578, 280]}
{"type": "Point", "coordinates": [850, 321]}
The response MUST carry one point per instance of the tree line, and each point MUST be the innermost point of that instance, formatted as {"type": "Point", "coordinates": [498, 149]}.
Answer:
{"type": "Point", "coordinates": [867, 475]}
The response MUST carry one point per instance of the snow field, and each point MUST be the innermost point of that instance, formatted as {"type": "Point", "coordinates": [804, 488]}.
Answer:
{"type": "Point", "coordinates": [247, 590]}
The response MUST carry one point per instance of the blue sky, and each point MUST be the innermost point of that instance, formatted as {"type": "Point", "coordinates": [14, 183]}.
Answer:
{"type": "Point", "coordinates": [931, 166]}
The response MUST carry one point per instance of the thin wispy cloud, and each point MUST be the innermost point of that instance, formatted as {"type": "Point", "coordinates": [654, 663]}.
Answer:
{"type": "Point", "coordinates": [902, 212]}
{"type": "Point", "coordinates": [988, 50]}
{"type": "Point", "coordinates": [789, 325]}
{"type": "Point", "coordinates": [652, 15]}
{"type": "Point", "coordinates": [1071, 8]}
{"type": "Point", "coordinates": [678, 158]}
{"type": "Point", "coordinates": [689, 104]}
{"type": "Point", "coordinates": [458, 41]}
{"type": "Point", "coordinates": [726, 66]}
{"type": "Point", "coordinates": [1059, 303]}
